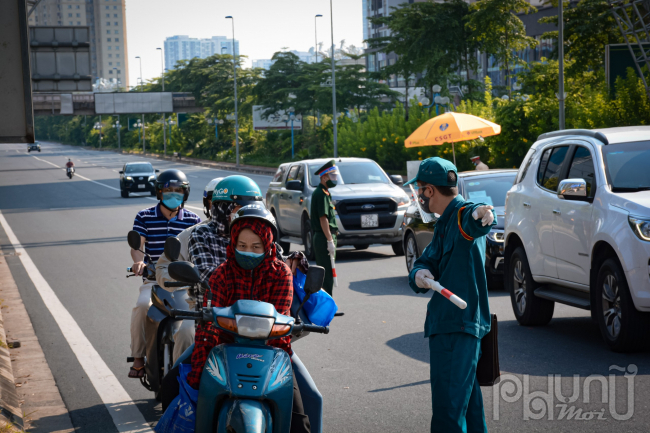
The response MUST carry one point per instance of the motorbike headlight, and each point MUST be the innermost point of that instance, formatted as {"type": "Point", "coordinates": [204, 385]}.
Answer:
{"type": "Point", "coordinates": [129, 178]}
{"type": "Point", "coordinates": [496, 236]}
{"type": "Point", "coordinates": [640, 227]}
{"type": "Point", "coordinates": [254, 327]}
{"type": "Point", "coordinates": [403, 202]}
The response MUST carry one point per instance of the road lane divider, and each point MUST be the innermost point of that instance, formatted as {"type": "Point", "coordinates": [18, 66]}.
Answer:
{"type": "Point", "coordinates": [126, 415]}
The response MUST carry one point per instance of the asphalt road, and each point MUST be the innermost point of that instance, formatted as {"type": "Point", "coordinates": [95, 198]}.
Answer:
{"type": "Point", "coordinates": [373, 367]}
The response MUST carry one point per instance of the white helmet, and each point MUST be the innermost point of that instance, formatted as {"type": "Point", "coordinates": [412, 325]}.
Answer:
{"type": "Point", "coordinates": [207, 195]}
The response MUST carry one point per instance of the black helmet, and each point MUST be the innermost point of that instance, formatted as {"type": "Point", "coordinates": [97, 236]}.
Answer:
{"type": "Point", "coordinates": [256, 211]}
{"type": "Point", "coordinates": [172, 177]}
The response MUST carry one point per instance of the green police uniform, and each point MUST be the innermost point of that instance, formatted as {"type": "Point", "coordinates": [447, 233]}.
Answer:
{"type": "Point", "coordinates": [456, 258]}
{"type": "Point", "coordinates": [321, 205]}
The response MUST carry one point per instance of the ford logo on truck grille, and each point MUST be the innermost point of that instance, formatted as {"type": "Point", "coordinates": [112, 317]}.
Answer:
{"type": "Point", "coordinates": [368, 207]}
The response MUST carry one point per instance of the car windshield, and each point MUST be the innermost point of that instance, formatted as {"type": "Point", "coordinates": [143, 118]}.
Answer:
{"type": "Point", "coordinates": [139, 168]}
{"type": "Point", "coordinates": [626, 165]}
{"type": "Point", "coordinates": [489, 190]}
{"type": "Point", "coordinates": [353, 172]}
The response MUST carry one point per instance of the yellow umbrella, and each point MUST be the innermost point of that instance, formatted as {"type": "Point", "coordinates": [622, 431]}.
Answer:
{"type": "Point", "coordinates": [451, 128]}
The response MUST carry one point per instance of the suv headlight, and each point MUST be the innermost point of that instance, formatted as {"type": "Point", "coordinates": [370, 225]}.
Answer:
{"type": "Point", "coordinates": [129, 178]}
{"type": "Point", "coordinates": [152, 178]}
{"type": "Point", "coordinates": [403, 202]}
{"type": "Point", "coordinates": [640, 227]}
{"type": "Point", "coordinates": [496, 236]}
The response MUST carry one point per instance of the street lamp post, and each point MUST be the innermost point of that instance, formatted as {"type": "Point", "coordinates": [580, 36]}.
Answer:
{"type": "Point", "coordinates": [560, 51]}
{"type": "Point", "coordinates": [170, 122]}
{"type": "Point", "coordinates": [234, 65]}
{"type": "Point", "coordinates": [334, 118]}
{"type": "Point", "coordinates": [117, 127]}
{"type": "Point", "coordinates": [98, 127]}
{"type": "Point", "coordinates": [142, 90]}
{"type": "Point", "coordinates": [316, 52]}
{"type": "Point", "coordinates": [138, 125]}
{"type": "Point", "coordinates": [162, 69]}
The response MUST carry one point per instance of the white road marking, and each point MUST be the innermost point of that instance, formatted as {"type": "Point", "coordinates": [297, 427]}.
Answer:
{"type": "Point", "coordinates": [78, 175]}
{"type": "Point", "coordinates": [126, 415]}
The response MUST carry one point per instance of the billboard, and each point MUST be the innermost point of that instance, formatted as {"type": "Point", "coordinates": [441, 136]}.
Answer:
{"type": "Point", "coordinates": [17, 125]}
{"type": "Point", "coordinates": [275, 121]}
{"type": "Point", "coordinates": [131, 102]}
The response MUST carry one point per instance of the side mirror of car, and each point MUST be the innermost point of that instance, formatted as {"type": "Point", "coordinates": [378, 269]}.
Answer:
{"type": "Point", "coordinates": [184, 272]}
{"type": "Point", "coordinates": [121, 172]}
{"type": "Point", "coordinates": [397, 179]}
{"type": "Point", "coordinates": [572, 189]}
{"type": "Point", "coordinates": [157, 171]}
{"type": "Point", "coordinates": [172, 248]}
{"type": "Point", "coordinates": [134, 240]}
{"type": "Point", "coordinates": [294, 185]}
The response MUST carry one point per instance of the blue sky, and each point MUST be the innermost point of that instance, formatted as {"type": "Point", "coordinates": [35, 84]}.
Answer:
{"type": "Point", "coordinates": [261, 26]}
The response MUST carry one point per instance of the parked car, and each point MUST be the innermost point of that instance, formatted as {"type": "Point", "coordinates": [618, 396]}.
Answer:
{"type": "Point", "coordinates": [369, 204]}
{"type": "Point", "coordinates": [488, 187]}
{"type": "Point", "coordinates": [137, 177]}
{"type": "Point", "coordinates": [578, 231]}
{"type": "Point", "coordinates": [36, 146]}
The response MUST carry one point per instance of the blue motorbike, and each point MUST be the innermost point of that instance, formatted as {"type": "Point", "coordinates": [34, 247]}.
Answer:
{"type": "Point", "coordinates": [247, 386]}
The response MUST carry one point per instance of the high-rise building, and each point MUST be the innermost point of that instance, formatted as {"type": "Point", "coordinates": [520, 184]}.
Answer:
{"type": "Point", "coordinates": [305, 56]}
{"type": "Point", "coordinates": [107, 22]}
{"type": "Point", "coordinates": [182, 47]}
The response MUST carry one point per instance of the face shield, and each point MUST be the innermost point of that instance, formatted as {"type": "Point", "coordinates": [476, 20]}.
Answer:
{"type": "Point", "coordinates": [334, 175]}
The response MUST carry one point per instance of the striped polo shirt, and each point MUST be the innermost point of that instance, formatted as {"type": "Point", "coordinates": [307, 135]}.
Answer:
{"type": "Point", "coordinates": [155, 228]}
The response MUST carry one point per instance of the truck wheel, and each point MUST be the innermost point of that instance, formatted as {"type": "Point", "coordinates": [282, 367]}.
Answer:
{"type": "Point", "coordinates": [124, 194]}
{"type": "Point", "coordinates": [308, 239]}
{"type": "Point", "coordinates": [361, 247]}
{"type": "Point", "coordinates": [411, 253]}
{"type": "Point", "coordinates": [398, 248]}
{"type": "Point", "coordinates": [529, 309]}
{"type": "Point", "coordinates": [623, 327]}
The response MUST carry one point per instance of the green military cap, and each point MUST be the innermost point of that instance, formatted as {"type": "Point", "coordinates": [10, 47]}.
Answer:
{"type": "Point", "coordinates": [329, 166]}
{"type": "Point", "coordinates": [436, 171]}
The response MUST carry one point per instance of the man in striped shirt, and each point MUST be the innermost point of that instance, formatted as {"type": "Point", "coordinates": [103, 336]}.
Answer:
{"type": "Point", "coordinates": [155, 225]}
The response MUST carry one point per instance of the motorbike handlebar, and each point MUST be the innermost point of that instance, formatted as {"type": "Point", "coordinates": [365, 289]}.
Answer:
{"type": "Point", "coordinates": [311, 328]}
{"type": "Point", "coordinates": [176, 284]}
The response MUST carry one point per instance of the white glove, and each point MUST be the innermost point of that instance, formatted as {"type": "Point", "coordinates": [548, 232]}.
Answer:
{"type": "Point", "coordinates": [331, 249]}
{"type": "Point", "coordinates": [420, 278]}
{"type": "Point", "coordinates": [485, 213]}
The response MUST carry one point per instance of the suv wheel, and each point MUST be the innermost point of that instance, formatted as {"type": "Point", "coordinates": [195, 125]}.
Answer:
{"type": "Point", "coordinates": [411, 251]}
{"type": "Point", "coordinates": [361, 247]}
{"type": "Point", "coordinates": [398, 248]}
{"type": "Point", "coordinates": [622, 326]}
{"type": "Point", "coordinates": [124, 194]}
{"type": "Point", "coordinates": [529, 309]}
{"type": "Point", "coordinates": [308, 239]}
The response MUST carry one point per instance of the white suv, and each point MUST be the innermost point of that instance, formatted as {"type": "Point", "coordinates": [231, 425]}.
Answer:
{"type": "Point", "coordinates": [577, 231]}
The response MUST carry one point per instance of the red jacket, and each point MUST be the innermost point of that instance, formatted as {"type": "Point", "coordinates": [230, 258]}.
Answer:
{"type": "Point", "coordinates": [271, 282]}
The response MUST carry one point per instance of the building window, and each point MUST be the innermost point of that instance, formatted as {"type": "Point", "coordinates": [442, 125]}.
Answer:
{"type": "Point", "coordinates": [108, 39]}
{"type": "Point", "coordinates": [115, 22]}
{"type": "Point", "coordinates": [119, 72]}
{"type": "Point", "coordinates": [78, 23]}
{"type": "Point", "coordinates": [110, 63]}
{"type": "Point", "coordinates": [116, 32]}
{"type": "Point", "coordinates": [117, 48]}
{"type": "Point", "coordinates": [110, 55]}
{"type": "Point", "coordinates": [78, 15]}
{"type": "Point", "coordinates": [107, 23]}
{"type": "Point", "coordinates": [78, 7]}
{"type": "Point", "coordinates": [118, 64]}
{"type": "Point", "coordinates": [69, 6]}
{"type": "Point", "coordinates": [108, 32]}
{"type": "Point", "coordinates": [109, 47]}
{"type": "Point", "coordinates": [108, 15]}
{"type": "Point", "coordinates": [114, 7]}
{"type": "Point", "coordinates": [117, 55]}
{"type": "Point", "coordinates": [117, 39]}
{"type": "Point", "coordinates": [69, 15]}
{"type": "Point", "coordinates": [114, 15]}
{"type": "Point", "coordinates": [110, 72]}
{"type": "Point", "coordinates": [108, 7]}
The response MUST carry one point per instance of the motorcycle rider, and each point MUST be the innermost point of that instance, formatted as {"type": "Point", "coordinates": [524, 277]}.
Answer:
{"type": "Point", "coordinates": [69, 165]}
{"type": "Point", "coordinates": [252, 271]}
{"type": "Point", "coordinates": [185, 335]}
{"type": "Point", "coordinates": [155, 224]}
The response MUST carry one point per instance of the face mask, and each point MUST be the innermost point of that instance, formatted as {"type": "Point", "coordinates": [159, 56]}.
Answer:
{"type": "Point", "coordinates": [248, 260]}
{"type": "Point", "coordinates": [172, 200]}
{"type": "Point", "coordinates": [330, 184]}
{"type": "Point", "coordinates": [424, 201]}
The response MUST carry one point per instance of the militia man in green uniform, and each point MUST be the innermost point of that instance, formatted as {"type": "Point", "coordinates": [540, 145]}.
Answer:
{"type": "Point", "coordinates": [456, 259]}
{"type": "Point", "coordinates": [323, 221]}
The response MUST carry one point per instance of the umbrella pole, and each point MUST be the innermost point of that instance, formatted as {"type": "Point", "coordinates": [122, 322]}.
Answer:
{"type": "Point", "coordinates": [453, 151]}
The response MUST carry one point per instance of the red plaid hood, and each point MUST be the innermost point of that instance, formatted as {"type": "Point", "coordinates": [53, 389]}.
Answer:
{"type": "Point", "coordinates": [261, 229]}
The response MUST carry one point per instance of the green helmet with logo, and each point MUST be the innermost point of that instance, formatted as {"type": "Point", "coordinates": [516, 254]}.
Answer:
{"type": "Point", "coordinates": [237, 189]}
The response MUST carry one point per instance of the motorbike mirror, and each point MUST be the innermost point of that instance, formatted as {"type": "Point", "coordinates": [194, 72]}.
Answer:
{"type": "Point", "coordinates": [134, 239]}
{"type": "Point", "coordinates": [314, 280]}
{"type": "Point", "coordinates": [185, 272]}
{"type": "Point", "coordinates": [172, 248]}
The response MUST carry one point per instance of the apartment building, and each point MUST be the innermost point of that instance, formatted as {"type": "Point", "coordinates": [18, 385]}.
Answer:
{"type": "Point", "coordinates": [182, 47]}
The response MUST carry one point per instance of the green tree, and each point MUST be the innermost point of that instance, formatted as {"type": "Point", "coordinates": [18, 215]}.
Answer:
{"type": "Point", "coordinates": [500, 31]}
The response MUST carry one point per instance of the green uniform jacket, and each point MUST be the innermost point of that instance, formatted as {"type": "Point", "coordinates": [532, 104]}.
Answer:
{"type": "Point", "coordinates": [321, 205]}
{"type": "Point", "coordinates": [456, 258]}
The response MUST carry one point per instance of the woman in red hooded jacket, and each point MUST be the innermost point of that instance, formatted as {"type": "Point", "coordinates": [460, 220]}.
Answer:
{"type": "Point", "coordinates": [251, 271]}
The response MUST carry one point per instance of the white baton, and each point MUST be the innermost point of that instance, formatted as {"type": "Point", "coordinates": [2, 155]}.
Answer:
{"type": "Point", "coordinates": [434, 285]}
{"type": "Point", "coordinates": [336, 283]}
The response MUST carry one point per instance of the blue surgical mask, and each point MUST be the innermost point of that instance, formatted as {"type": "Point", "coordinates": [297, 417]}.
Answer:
{"type": "Point", "coordinates": [248, 260]}
{"type": "Point", "coordinates": [172, 200]}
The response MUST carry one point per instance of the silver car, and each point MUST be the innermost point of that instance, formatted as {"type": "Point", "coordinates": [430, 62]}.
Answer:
{"type": "Point", "coordinates": [369, 204]}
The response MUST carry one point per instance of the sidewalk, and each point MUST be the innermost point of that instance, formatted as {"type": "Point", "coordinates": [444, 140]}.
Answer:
{"type": "Point", "coordinates": [27, 388]}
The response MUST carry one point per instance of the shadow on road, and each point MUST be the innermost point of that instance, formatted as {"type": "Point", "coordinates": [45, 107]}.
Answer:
{"type": "Point", "coordinates": [385, 286]}
{"type": "Point", "coordinates": [407, 385]}
{"type": "Point", "coordinates": [67, 242]}
{"type": "Point", "coordinates": [566, 346]}
{"type": "Point", "coordinates": [348, 255]}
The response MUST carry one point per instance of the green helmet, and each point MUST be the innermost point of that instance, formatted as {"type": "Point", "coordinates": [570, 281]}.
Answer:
{"type": "Point", "coordinates": [237, 189]}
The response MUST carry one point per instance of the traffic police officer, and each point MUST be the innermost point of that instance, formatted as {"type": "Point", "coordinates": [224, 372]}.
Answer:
{"type": "Point", "coordinates": [456, 259]}
{"type": "Point", "coordinates": [323, 221]}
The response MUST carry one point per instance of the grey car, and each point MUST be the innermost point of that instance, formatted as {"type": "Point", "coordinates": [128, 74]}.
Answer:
{"type": "Point", "coordinates": [369, 204]}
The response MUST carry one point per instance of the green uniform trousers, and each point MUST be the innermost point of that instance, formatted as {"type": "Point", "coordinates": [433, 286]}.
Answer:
{"type": "Point", "coordinates": [455, 393]}
{"type": "Point", "coordinates": [323, 259]}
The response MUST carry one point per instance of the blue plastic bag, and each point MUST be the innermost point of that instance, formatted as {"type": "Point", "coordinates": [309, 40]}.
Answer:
{"type": "Point", "coordinates": [180, 416]}
{"type": "Point", "coordinates": [320, 307]}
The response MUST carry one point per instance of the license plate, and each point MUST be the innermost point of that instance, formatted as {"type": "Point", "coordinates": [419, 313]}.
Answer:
{"type": "Point", "coordinates": [142, 186]}
{"type": "Point", "coordinates": [370, 220]}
